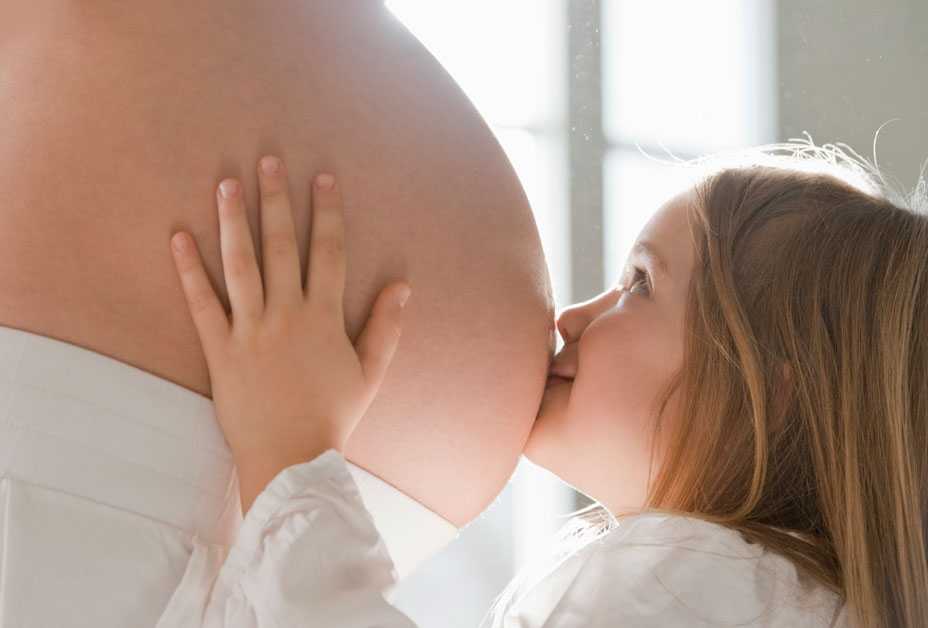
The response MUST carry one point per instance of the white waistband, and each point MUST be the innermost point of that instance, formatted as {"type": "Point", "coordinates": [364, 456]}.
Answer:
{"type": "Point", "coordinates": [81, 422]}
{"type": "Point", "coordinates": [78, 421]}
{"type": "Point", "coordinates": [411, 532]}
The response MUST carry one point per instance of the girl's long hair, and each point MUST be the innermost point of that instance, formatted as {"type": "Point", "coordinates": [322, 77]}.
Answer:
{"type": "Point", "coordinates": [805, 376]}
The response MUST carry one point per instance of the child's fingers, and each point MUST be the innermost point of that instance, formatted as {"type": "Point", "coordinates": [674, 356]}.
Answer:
{"type": "Point", "coordinates": [243, 280]}
{"type": "Point", "coordinates": [378, 341]}
{"type": "Point", "coordinates": [208, 313]}
{"type": "Point", "coordinates": [281, 258]}
{"type": "Point", "coordinates": [326, 276]}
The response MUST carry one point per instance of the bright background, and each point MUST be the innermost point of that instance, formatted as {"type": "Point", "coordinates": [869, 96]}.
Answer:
{"type": "Point", "coordinates": [572, 89]}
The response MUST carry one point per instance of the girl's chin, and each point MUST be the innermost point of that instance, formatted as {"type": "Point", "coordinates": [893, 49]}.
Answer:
{"type": "Point", "coordinates": [554, 400]}
{"type": "Point", "coordinates": [551, 413]}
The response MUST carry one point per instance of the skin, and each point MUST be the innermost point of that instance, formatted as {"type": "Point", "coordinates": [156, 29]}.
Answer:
{"type": "Point", "coordinates": [258, 355]}
{"type": "Point", "coordinates": [120, 119]}
{"type": "Point", "coordinates": [623, 347]}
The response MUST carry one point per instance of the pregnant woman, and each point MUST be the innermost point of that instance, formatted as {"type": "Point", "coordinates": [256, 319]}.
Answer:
{"type": "Point", "coordinates": [118, 121]}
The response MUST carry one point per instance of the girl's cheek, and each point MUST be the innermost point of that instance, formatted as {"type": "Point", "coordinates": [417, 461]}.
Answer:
{"type": "Point", "coordinates": [621, 376]}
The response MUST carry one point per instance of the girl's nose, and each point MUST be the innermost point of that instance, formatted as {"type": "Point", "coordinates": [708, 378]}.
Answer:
{"type": "Point", "coordinates": [574, 319]}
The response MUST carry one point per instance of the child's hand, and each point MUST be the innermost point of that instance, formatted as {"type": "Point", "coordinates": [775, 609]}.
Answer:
{"type": "Point", "coordinates": [287, 383]}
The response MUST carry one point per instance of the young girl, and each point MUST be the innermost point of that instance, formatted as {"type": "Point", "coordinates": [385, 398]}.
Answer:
{"type": "Point", "coordinates": [748, 408]}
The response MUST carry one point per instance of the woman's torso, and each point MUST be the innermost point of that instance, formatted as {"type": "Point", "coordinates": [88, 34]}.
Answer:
{"type": "Point", "coordinates": [121, 118]}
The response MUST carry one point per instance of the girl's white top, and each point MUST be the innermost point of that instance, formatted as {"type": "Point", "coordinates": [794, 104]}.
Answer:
{"type": "Point", "coordinates": [119, 507]}
{"type": "Point", "coordinates": [309, 553]}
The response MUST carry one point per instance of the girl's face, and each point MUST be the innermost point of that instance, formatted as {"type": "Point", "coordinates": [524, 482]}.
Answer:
{"type": "Point", "coordinates": [621, 348]}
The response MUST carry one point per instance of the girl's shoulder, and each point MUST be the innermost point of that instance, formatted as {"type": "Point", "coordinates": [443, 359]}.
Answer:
{"type": "Point", "coordinates": [683, 533]}
{"type": "Point", "coordinates": [676, 570]}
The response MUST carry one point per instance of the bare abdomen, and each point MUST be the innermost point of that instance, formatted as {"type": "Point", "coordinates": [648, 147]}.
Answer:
{"type": "Point", "coordinates": [118, 123]}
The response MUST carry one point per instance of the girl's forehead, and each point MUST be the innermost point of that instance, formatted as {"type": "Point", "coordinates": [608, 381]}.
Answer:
{"type": "Point", "coordinates": [668, 229]}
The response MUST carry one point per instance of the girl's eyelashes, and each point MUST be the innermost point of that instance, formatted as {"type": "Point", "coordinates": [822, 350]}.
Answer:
{"type": "Point", "coordinates": [639, 277]}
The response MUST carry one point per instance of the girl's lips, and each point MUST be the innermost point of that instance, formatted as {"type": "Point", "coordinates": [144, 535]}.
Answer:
{"type": "Point", "coordinates": [556, 379]}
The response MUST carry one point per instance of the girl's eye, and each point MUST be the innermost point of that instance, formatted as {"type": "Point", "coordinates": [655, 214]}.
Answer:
{"type": "Point", "coordinates": [639, 277]}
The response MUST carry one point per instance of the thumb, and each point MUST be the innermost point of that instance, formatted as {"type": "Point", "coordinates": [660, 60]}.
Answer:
{"type": "Point", "coordinates": [377, 343]}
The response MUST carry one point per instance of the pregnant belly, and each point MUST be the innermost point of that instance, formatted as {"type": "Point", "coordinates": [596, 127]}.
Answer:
{"type": "Point", "coordinates": [119, 122]}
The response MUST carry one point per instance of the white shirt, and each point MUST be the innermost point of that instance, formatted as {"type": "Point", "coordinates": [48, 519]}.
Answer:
{"type": "Point", "coordinates": [119, 507]}
{"type": "Point", "coordinates": [309, 552]}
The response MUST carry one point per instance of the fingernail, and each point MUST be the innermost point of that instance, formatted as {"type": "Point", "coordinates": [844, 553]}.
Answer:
{"type": "Point", "coordinates": [270, 164]}
{"type": "Point", "coordinates": [228, 188]}
{"type": "Point", "coordinates": [404, 296]}
{"type": "Point", "coordinates": [325, 181]}
{"type": "Point", "coordinates": [179, 241]}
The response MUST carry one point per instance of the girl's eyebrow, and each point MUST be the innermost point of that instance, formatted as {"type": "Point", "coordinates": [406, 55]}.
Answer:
{"type": "Point", "coordinates": [647, 249]}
